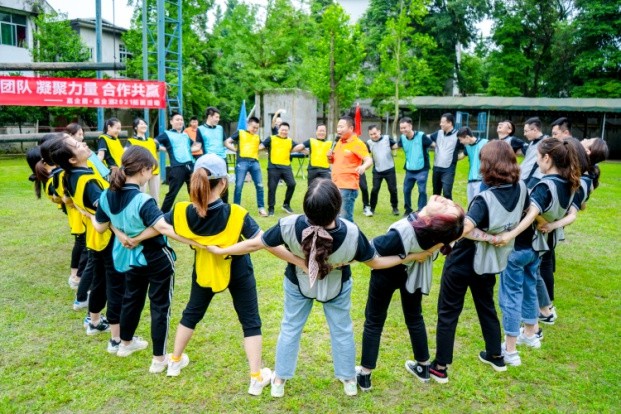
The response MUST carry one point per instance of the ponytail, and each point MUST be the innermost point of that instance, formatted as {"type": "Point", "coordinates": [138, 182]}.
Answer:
{"type": "Point", "coordinates": [323, 250]}
{"type": "Point", "coordinates": [41, 176]}
{"type": "Point", "coordinates": [200, 190]}
{"type": "Point", "coordinates": [598, 152]}
{"type": "Point", "coordinates": [117, 178]}
{"type": "Point", "coordinates": [134, 160]}
{"type": "Point", "coordinates": [564, 157]}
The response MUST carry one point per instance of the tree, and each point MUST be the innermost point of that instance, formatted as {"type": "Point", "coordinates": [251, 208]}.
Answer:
{"type": "Point", "coordinates": [332, 67]}
{"type": "Point", "coordinates": [597, 65]}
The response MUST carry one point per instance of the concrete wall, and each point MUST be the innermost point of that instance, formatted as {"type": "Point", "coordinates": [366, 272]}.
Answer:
{"type": "Point", "coordinates": [110, 46]}
{"type": "Point", "coordinates": [301, 112]}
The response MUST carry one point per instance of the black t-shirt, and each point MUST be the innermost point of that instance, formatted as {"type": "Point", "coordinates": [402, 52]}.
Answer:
{"type": "Point", "coordinates": [149, 213]}
{"type": "Point", "coordinates": [463, 252]}
{"type": "Point", "coordinates": [364, 251]}
{"type": "Point", "coordinates": [102, 145]}
{"type": "Point", "coordinates": [215, 222]}
{"type": "Point", "coordinates": [390, 244]}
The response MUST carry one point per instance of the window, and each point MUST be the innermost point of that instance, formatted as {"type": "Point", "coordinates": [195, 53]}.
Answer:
{"type": "Point", "coordinates": [123, 53]}
{"type": "Point", "coordinates": [13, 30]}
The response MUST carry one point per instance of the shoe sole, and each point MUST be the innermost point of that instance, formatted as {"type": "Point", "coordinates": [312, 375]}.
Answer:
{"type": "Point", "coordinates": [158, 370]}
{"type": "Point", "coordinates": [545, 322]}
{"type": "Point", "coordinates": [536, 346]}
{"type": "Point", "coordinates": [129, 352]}
{"type": "Point", "coordinates": [496, 367]}
{"type": "Point", "coordinates": [176, 373]}
{"type": "Point", "coordinates": [287, 211]}
{"type": "Point", "coordinates": [423, 380]}
{"type": "Point", "coordinates": [439, 379]}
{"type": "Point", "coordinates": [96, 332]}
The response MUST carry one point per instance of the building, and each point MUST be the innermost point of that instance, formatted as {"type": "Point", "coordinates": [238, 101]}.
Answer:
{"type": "Point", "coordinates": [16, 29]}
{"type": "Point", "coordinates": [112, 46]}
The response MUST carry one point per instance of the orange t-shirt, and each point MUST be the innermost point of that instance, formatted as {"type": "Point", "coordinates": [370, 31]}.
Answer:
{"type": "Point", "coordinates": [348, 155]}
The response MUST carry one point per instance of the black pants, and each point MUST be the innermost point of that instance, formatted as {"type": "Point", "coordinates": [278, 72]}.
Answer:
{"type": "Point", "coordinates": [86, 278]}
{"type": "Point", "coordinates": [382, 285]}
{"type": "Point", "coordinates": [391, 181]}
{"type": "Point", "coordinates": [453, 289]}
{"type": "Point", "coordinates": [79, 255]}
{"type": "Point", "coordinates": [243, 288]}
{"type": "Point", "coordinates": [442, 180]}
{"type": "Point", "coordinates": [176, 177]}
{"type": "Point", "coordinates": [364, 190]}
{"type": "Point", "coordinates": [273, 176]}
{"type": "Point", "coordinates": [318, 173]}
{"type": "Point", "coordinates": [157, 278]}
{"type": "Point", "coordinates": [108, 285]}
{"type": "Point", "coordinates": [546, 270]}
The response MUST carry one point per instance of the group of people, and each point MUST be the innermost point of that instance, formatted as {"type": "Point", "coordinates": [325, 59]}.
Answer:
{"type": "Point", "coordinates": [515, 218]}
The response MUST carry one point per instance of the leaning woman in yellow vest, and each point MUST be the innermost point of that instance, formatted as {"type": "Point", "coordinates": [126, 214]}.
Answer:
{"type": "Point", "coordinates": [142, 139]}
{"type": "Point", "coordinates": [109, 147]}
{"type": "Point", "coordinates": [318, 147]}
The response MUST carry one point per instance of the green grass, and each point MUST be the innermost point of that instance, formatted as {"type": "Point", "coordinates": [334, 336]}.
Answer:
{"type": "Point", "coordinates": [48, 364]}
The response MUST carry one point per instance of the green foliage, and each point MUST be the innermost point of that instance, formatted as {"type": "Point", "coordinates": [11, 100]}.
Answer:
{"type": "Point", "coordinates": [471, 75]}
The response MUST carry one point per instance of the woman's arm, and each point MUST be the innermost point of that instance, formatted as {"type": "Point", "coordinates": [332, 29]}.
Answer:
{"type": "Point", "coordinates": [505, 237]}
{"type": "Point", "coordinates": [571, 216]}
{"type": "Point", "coordinates": [162, 227]}
{"type": "Point", "coordinates": [384, 262]}
{"type": "Point", "coordinates": [238, 249]}
{"type": "Point", "coordinates": [472, 233]}
{"type": "Point", "coordinates": [282, 253]}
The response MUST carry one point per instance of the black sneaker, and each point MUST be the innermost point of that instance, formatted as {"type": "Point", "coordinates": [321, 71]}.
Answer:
{"type": "Point", "coordinates": [270, 212]}
{"type": "Point", "coordinates": [498, 363]}
{"type": "Point", "coordinates": [438, 375]}
{"type": "Point", "coordinates": [548, 320]}
{"type": "Point", "coordinates": [421, 372]}
{"type": "Point", "coordinates": [364, 380]}
{"type": "Point", "coordinates": [395, 211]}
{"type": "Point", "coordinates": [287, 208]}
{"type": "Point", "coordinates": [102, 326]}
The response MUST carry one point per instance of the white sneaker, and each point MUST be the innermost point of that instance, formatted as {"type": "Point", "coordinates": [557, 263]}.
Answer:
{"type": "Point", "coordinates": [532, 341]}
{"type": "Point", "coordinates": [553, 310]}
{"type": "Point", "coordinates": [511, 358]}
{"type": "Point", "coordinates": [73, 282]}
{"type": "Point", "coordinates": [77, 305]}
{"type": "Point", "coordinates": [137, 344]}
{"type": "Point", "coordinates": [256, 387]}
{"type": "Point", "coordinates": [277, 390]}
{"type": "Point", "coordinates": [113, 346]}
{"type": "Point", "coordinates": [350, 387]}
{"type": "Point", "coordinates": [174, 368]}
{"type": "Point", "coordinates": [157, 366]}
{"type": "Point", "coordinates": [367, 211]}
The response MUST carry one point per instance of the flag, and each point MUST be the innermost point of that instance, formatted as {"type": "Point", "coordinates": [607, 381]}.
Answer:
{"type": "Point", "coordinates": [358, 121]}
{"type": "Point", "coordinates": [241, 122]}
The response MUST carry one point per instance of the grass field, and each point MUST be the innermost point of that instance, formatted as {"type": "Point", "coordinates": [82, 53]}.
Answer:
{"type": "Point", "coordinates": [48, 364]}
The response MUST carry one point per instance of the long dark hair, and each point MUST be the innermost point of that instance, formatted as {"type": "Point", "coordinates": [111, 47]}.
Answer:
{"type": "Point", "coordinates": [440, 228]}
{"type": "Point", "coordinates": [110, 122]}
{"type": "Point", "coordinates": [134, 159]}
{"type": "Point", "coordinates": [200, 190]}
{"type": "Point", "coordinates": [322, 204]}
{"type": "Point", "coordinates": [564, 157]}
{"type": "Point", "coordinates": [498, 164]}
{"type": "Point", "coordinates": [597, 153]}
{"type": "Point", "coordinates": [73, 128]}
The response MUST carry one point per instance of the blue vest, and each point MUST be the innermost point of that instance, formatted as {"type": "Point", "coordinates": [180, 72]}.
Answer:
{"type": "Point", "coordinates": [474, 173]}
{"type": "Point", "coordinates": [180, 145]}
{"type": "Point", "coordinates": [130, 223]}
{"type": "Point", "coordinates": [214, 138]}
{"type": "Point", "coordinates": [413, 148]}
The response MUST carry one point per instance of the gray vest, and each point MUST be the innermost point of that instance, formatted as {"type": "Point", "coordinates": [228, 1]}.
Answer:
{"type": "Point", "coordinates": [487, 257]}
{"type": "Point", "coordinates": [419, 274]}
{"type": "Point", "coordinates": [382, 154]}
{"type": "Point", "coordinates": [556, 212]}
{"type": "Point", "coordinates": [529, 167]}
{"type": "Point", "coordinates": [445, 147]}
{"type": "Point", "coordinates": [330, 286]}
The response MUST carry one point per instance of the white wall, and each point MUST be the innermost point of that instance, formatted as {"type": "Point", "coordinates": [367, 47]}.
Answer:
{"type": "Point", "coordinates": [110, 46]}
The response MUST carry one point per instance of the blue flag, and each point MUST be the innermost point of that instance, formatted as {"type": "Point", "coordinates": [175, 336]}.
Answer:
{"type": "Point", "coordinates": [241, 122]}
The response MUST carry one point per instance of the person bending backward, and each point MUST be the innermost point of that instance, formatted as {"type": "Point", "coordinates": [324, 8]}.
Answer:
{"type": "Point", "coordinates": [505, 131]}
{"type": "Point", "coordinates": [209, 221]}
{"type": "Point", "coordinates": [109, 147]}
{"type": "Point", "coordinates": [473, 147]}
{"type": "Point", "coordinates": [179, 147]}
{"type": "Point", "coordinates": [439, 223]}
{"type": "Point", "coordinates": [83, 189]}
{"type": "Point", "coordinates": [415, 146]}
{"type": "Point", "coordinates": [279, 167]}
{"type": "Point", "coordinates": [350, 158]}
{"type": "Point", "coordinates": [142, 139]}
{"type": "Point", "coordinates": [529, 170]}
{"type": "Point", "coordinates": [474, 261]}
{"type": "Point", "coordinates": [447, 152]}
{"type": "Point", "coordinates": [550, 199]}
{"type": "Point", "coordinates": [318, 147]}
{"type": "Point", "coordinates": [324, 244]}
{"type": "Point", "coordinates": [247, 145]}
{"type": "Point", "coordinates": [590, 152]}
{"type": "Point", "coordinates": [383, 168]}
{"type": "Point", "coordinates": [149, 266]}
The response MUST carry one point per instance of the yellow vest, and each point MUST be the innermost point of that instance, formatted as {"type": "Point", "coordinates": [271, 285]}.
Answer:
{"type": "Point", "coordinates": [75, 218]}
{"type": "Point", "coordinates": [212, 271]}
{"type": "Point", "coordinates": [280, 150]}
{"type": "Point", "coordinates": [114, 148]}
{"type": "Point", "coordinates": [149, 144]}
{"type": "Point", "coordinates": [319, 153]}
{"type": "Point", "coordinates": [248, 145]}
{"type": "Point", "coordinates": [94, 240]}
{"type": "Point", "coordinates": [90, 165]}
{"type": "Point", "coordinates": [51, 193]}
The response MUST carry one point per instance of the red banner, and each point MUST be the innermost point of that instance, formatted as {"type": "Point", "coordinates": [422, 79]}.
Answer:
{"type": "Point", "coordinates": [106, 93]}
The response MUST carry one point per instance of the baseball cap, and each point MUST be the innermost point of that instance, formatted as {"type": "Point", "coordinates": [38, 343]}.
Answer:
{"type": "Point", "coordinates": [213, 163]}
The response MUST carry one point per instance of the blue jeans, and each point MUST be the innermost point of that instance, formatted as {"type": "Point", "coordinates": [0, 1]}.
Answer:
{"type": "Point", "coordinates": [337, 311]}
{"type": "Point", "coordinates": [349, 199]}
{"type": "Point", "coordinates": [518, 291]}
{"type": "Point", "coordinates": [254, 168]}
{"type": "Point", "coordinates": [412, 178]}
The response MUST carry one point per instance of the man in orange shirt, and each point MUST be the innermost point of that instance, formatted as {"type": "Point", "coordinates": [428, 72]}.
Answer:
{"type": "Point", "coordinates": [350, 158]}
{"type": "Point", "coordinates": [191, 131]}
